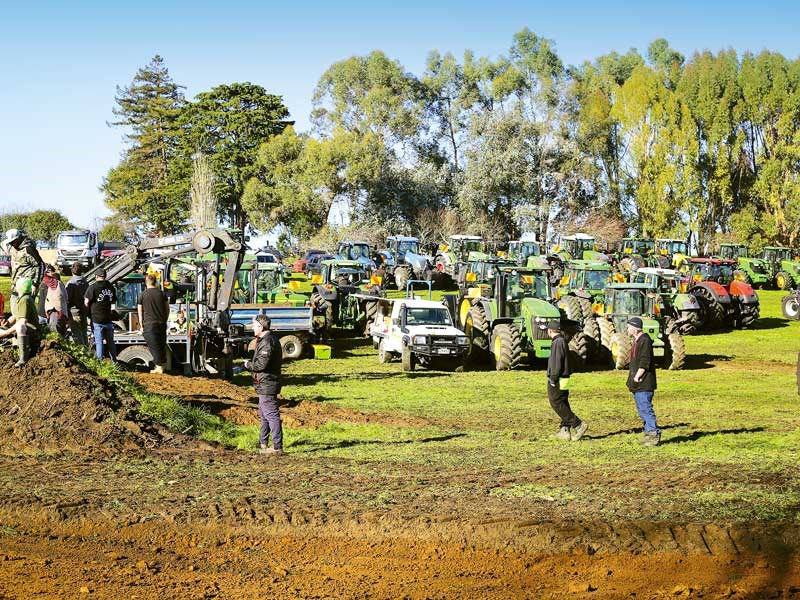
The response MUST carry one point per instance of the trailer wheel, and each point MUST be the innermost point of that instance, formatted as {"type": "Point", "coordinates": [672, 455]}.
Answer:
{"type": "Point", "coordinates": [136, 358]}
{"type": "Point", "coordinates": [291, 346]}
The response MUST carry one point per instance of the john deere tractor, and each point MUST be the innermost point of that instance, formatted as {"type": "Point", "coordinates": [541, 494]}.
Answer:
{"type": "Point", "coordinates": [401, 261]}
{"type": "Point", "coordinates": [520, 251]}
{"type": "Point", "coordinates": [579, 246]}
{"type": "Point", "coordinates": [670, 254]}
{"type": "Point", "coordinates": [334, 289]}
{"type": "Point", "coordinates": [749, 269]}
{"type": "Point", "coordinates": [456, 252]}
{"type": "Point", "coordinates": [478, 279]}
{"type": "Point", "coordinates": [513, 320]}
{"type": "Point", "coordinates": [784, 271]}
{"type": "Point", "coordinates": [583, 285]}
{"type": "Point", "coordinates": [680, 309]}
{"type": "Point", "coordinates": [635, 253]}
{"type": "Point", "coordinates": [626, 300]}
{"type": "Point", "coordinates": [270, 283]}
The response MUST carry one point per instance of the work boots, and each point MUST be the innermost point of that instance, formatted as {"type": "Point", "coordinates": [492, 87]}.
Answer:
{"type": "Point", "coordinates": [24, 350]}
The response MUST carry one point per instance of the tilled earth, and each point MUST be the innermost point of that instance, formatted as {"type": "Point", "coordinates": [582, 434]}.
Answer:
{"type": "Point", "coordinates": [96, 500]}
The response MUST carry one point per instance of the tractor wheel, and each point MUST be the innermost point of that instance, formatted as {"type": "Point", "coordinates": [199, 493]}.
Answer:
{"type": "Point", "coordinates": [748, 315]}
{"type": "Point", "coordinates": [383, 356]}
{"type": "Point", "coordinates": [783, 281]}
{"type": "Point", "coordinates": [464, 307]}
{"type": "Point", "coordinates": [323, 307]}
{"type": "Point", "coordinates": [370, 310]}
{"type": "Point", "coordinates": [572, 308]}
{"type": "Point", "coordinates": [579, 351]}
{"type": "Point", "coordinates": [586, 307]}
{"type": "Point", "coordinates": [690, 321]}
{"type": "Point", "coordinates": [606, 333]}
{"type": "Point", "coordinates": [591, 329]}
{"type": "Point", "coordinates": [401, 278]}
{"type": "Point", "coordinates": [675, 352]}
{"type": "Point", "coordinates": [791, 306]}
{"type": "Point", "coordinates": [506, 347]}
{"type": "Point", "coordinates": [291, 346]}
{"type": "Point", "coordinates": [477, 330]}
{"type": "Point", "coordinates": [712, 314]}
{"type": "Point", "coordinates": [408, 359]}
{"type": "Point", "coordinates": [620, 350]}
{"type": "Point", "coordinates": [136, 358]}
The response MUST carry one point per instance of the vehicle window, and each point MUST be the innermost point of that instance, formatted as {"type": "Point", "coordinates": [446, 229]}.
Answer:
{"type": "Point", "coordinates": [73, 239]}
{"type": "Point", "coordinates": [268, 280]}
{"type": "Point", "coordinates": [408, 246]}
{"type": "Point", "coordinates": [427, 316]}
{"type": "Point", "coordinates": [596, 280]}
{"type": "Point", "coordinates": [629, 302]}
{"type": "Point", "coordinates": [128, 293]}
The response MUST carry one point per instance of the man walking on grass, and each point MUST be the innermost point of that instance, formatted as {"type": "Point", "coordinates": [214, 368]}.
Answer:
{"type": "Point", "coordinates": [642, 380]}
{"type": "Point", "coordinates": [266, 369]}
{"type": "Point", "coordinates": [558, 372]}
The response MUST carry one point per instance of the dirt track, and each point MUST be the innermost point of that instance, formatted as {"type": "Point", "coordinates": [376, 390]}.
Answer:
{"type": "Point", "coordinates": [133, 510]}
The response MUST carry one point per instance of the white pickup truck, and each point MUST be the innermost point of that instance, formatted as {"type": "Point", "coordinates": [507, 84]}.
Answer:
{"type": "Point", "coordinates": [418, 331]}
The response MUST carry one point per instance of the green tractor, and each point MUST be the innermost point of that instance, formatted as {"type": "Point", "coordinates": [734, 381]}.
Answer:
{"type": "Point", "coordinates": [477, 279]}
{"type": "Point", "coordinates": [670, 254]}
{"type": "Point", "coordinates": [270, 283]}
{"type": "Point", "coordinates": [458, 250]}
{"type": "Point", "coordinates": [582, 286]}
{"type": "Point", "coordinates": [784, 271]}
{"type": "Point", "coordinates": [579, 246]}
{"type": "Point", "coordinates": [521, 251]}
{"type": "Point", "coordinates": [635, 253]}
{"type": "Point", "coordinates": [750, 269]}
{"type": "Point", "coordinates": [335, 290]}
{"type": "Point", "coordinates": [626, 300]}
{"type": "Point", "coordinates": [513, 319]}
{"type": "Point", "coordinates": [680, 309]}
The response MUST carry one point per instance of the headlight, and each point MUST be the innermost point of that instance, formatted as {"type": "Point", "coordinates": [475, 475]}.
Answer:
{"type": "Point", "coordinates": [462, 340]}
{"type": "Point", "coordinates": [418, 340]}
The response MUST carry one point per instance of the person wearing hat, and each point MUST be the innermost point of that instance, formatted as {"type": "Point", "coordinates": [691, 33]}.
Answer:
{"type": "Point", "coordinates": [642, 380]}
{"type": "Point", "coordinates": [24, 321]}
{"type": "Point", "coordinates": [558, 372]}
{"type": "Point", "coordinates": [53, 303]}
{"type": "Point", "coordinates": [101, 300]}
{"type": "Point", "coordinates": [25, 260]}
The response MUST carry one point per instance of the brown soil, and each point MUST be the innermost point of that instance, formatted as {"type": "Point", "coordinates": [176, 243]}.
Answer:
{"type": "Point", "coordinates": [98, 501]}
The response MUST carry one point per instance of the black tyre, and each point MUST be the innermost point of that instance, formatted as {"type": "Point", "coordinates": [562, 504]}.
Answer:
{"type": "Point", "coordinates": [591, 330]}
{"type": "Point", "coordinates": [675, 352]}
{"type": "Point", "coordinates": [620, 350]}
{"type": "Point", "coordinates": [477, 330]}
{"type": "Point", "coordinates": [409, 360]}
{"type": "Point", "coordinates": [506, 347]}
{"type": "Point", "coordinates": [607, 331]}
{"type": "Point", "coordinates": [136, 358]}
{"type": "Point", "coordinates": [322, 307]}
{"type": "Point", "coordinates": [572, 308]}
{"type": "Point", "coordinates": [370, 310]}
{"type": "Point", "coordinates": [586, 307]}
{"type": "Point", "coordinates": [748, 314]}
{"type": "Point", "coordinates": [712, 315]}
{"type": "Point", "coordinates": [579, 351]}
{"type": "Point", "coordinates": [690, 320]}
{"type": "Point", "coordinates": [291, 347]}
{"type": "Point", "coordinates": [790, 305]}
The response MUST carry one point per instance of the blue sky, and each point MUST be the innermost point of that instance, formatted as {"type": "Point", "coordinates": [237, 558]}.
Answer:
{"type": "Point", "coordinates": [60, 62]}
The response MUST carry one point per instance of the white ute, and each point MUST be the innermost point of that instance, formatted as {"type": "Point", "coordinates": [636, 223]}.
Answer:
{"type": "Point", "coordinates": [420, 332]}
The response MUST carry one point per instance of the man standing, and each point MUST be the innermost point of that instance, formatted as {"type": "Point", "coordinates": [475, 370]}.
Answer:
{"type": "Point", "coordinates": [101, 300]}
{"type": "Point", "coordinates": [642, 380]}
{"type": "Point", "coordinates": [558, 372]}
{"type": "Point", "coordinates": [53, 301]}
{"type": "Point", "coordinates": [25, 260]}
{"type": "Point", "coordinates": [24, 322]}
{"type": "Point", "coordinates": [153, 310]}
{"type": "Point", "coordinates": [76, 289]}
{"type": "Point", "coordinates": [266, 369]}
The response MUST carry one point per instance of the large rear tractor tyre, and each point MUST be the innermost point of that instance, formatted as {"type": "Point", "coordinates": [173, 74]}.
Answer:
{"type": "Point", "coordinates": [790, 305]}
{"type": "Point", "coordinates": [572, 308]}
{"type": "Point", "coordinates": [409, 360]}
{"type": "Point", "coordinates": [748, 314]}
{"type": "Point", "coordinates": [579, 351]}
{"type": "Point", "coordinates": [291, 347]}
{"type": "Point", "coordinates": [401, 278]}
{"type": "Point", "coordinates": [620, 350]}
{"type": "Point", "coordinates": [464, 307]}
{"type": "Point", "coordinates": [606, 333]}
{"type": "Point", "coordinates": [690, 319]}
{"type": "Point", "coordinates": [506, 347]}
{"type": "Point", "coordinates": [783, 280]}
{"type": "Point", "coordinates": [477, 330]}
{"type": "Point", "coordinates": [322, 307]}
{"type": "Point", "coordinates": [712, 315]}
{"type": "Point", "coordinates": [370, 310]}
{"type": "Point", "coordinates": [591, 329]}
{"type": "Point", "coordinates": [675, 352]}
{"type": "Point", "coordinates": [136, 358]}
{"type": "Point", "coordinates": [586, 307]}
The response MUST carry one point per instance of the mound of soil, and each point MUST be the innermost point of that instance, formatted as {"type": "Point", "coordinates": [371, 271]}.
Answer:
{"type": "Point", "coordinates": [53, 404]}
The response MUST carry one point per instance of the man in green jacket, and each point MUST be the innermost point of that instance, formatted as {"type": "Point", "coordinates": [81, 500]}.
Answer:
{"type": "Point", "coordinates": [24, 322]}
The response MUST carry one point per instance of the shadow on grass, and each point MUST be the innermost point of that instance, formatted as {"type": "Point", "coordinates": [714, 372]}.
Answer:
{"type": "Point", "coordinates": [696, 435]}
{"type": "Point", "coordinates": [631, 430]}
{"type": "Point", "coordinates": [350, 443]}
{"type": "Point", "coordinates": [770, 323]}
{"type": "Point", "coordinates": [696, 362]}
{"type": "Point", "coordinates": [315, 378]}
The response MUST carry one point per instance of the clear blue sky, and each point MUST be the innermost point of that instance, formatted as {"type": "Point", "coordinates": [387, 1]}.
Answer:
{"type": "Point", "coordinates": [60, 62]}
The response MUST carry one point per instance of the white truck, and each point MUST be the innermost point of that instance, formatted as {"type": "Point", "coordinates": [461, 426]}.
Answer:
{"type": "Point", "coordinates": [418, 331]}
{"type": "Point", "coordinates": [79, 245]}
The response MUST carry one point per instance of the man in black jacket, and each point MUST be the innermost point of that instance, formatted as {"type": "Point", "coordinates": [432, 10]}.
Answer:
{"type": "Point", "coordinates": [558, 372]}
{"type": "Point", "coordinates": [266, 369]}
{"type": "Point", "coordinates": [642, 380]}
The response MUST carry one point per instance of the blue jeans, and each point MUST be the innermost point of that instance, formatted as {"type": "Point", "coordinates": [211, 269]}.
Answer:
{"type": "Point", "coordinates": [644, 404]}
{"type": "Point", "coordinates": [104, 340]}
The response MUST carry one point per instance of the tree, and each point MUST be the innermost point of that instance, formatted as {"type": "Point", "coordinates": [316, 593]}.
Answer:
{"type": "Point", "coordinates": [229, 123]}
{"type": "Point", "coordinates": [112, 232]}
{"type": "Point", "coordinates": [40, 225]}
{"type": "Point", "coordinates": [150, 185]}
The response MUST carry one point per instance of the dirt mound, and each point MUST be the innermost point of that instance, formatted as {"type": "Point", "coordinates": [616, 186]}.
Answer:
{"type": "Point", "coordinates": [54, 404]}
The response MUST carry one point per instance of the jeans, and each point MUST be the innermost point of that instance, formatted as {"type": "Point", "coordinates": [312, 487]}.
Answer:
{"type": "Point", "coordinates": [104, 340]}
{"type": "Point", "coordinates": [644, 404]}
{"type": "Point", "coordinates": [155, 334]}
{"type": "Point", "coordinates": [270, 421]}
{"type": "Point", "coordinates": [559, 401]}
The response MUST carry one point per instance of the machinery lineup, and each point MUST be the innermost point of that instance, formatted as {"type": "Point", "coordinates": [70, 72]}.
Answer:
{"type": "Point", "coordinates": [494, 310]}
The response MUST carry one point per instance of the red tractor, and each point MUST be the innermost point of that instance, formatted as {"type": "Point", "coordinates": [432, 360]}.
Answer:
{"type": "Point", "coordinates": [725, 300]}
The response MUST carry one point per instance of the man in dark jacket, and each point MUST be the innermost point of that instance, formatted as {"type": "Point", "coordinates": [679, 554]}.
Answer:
{"type": "Point", "coordinates": [642, 380]}
{"type": "Point", "coordinates": [153, 309]}
{"type": "Point", "coordinates": [266, 369]}
{"type": "Point", "coordinates": [76, 288]}
{"type": "Point", "coordinates": [558, 372]}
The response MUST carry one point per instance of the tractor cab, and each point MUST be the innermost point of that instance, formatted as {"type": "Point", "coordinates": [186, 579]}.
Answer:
{"type": "Point", "coordinates": [358, 251]}
{"type": "Point", "coordinates": [521, 250]}
{"type": "Point", "coordinates": [637, 247]}
{"type": "Point", "coordinates": [399, 245]}
{"type": "Point", "coordinates": [623, 301]}
{"type": "Point", "coordinates": [733, 251]}
{"type": "Point", "coordinates": [516, 286]}
{"type": "Point", "coordinates": [667, 247]}
{"type": "Point", "coordinates": [576, 245]}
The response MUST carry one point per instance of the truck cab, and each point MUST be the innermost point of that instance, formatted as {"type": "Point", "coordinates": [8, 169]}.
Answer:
{"type": "Point", "coordinates": [78, 245]}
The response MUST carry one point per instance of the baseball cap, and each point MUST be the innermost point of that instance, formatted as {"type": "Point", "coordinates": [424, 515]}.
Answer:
{"type": "Point", "coordinates": [635, 322]}
{"type": "Point", "coordinates": [554, 324]}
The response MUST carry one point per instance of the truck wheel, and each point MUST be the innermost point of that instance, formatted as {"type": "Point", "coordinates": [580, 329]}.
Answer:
{"type": "Point", "coordinates": [620, 350]}
{"type": "Point", "coordinates": [675, 352]}
{"type": "Point", "coordinates": [383, 356]}
{"type": "Point", "coordinates": [401, 278]}
{"type": "Point", "coordinates": [136, 358]}
{"type": "Point", "coordinates": [291, 347]}
{"type": "Point", "coordinates": [408, 359]}
{"type": "Point", "coordinates": [506, 347]}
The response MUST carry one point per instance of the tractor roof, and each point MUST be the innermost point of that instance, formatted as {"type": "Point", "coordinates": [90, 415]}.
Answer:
{"type": "Point", "coordinates": [342, 263]}
{"type": "Point", "coordinates": [589, 265]}
{"type": "Point", "coordinates": [578, 236]}
{"type": "Point", "coordinates": [777, 248]}
{"type": "Point", "coordinates": [713, 261]}
{"type": "Point", "coordinates": [670, 273]}
{"type": "Point", "coordinates": [528, 237]}
{"type": "Point", "coordinates": [670, 240]}
{"type": "Point", "coordinates": [732, 244]}
{"type": "Point", "coordinates": [460, 236]}
{"type": "Point", "coordinates": [354, 242]}
{"type": "Point", "coordinates": [629, 286]}
{"type": "Point", "coordinates": [638, 239]}
{"type": "Point", "coordinates": [402, 238]}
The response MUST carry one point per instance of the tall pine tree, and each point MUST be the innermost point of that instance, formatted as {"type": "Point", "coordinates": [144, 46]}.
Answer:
{"type": "Point", "coordinates": [150, 186]}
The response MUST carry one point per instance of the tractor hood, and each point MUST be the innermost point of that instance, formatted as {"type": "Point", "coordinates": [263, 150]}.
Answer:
{"type": "Point", "coordinates": [420, 262]}
{"type": "Point", "coordinates": [534, 307]}
{"type": "Point", "coordinates": [475, 256]}
{"type": "Point", "coordinates": [438, 330]}
{"type": "Point", "coordinates": [594, 255]}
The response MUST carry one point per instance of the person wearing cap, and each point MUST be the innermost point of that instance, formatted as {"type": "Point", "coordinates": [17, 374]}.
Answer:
{"type": "Point", "coordinates": [76, 289]}
{"type": "Point", "coordinates": [24, 322]}
{"type": "Point", "coordinates": [558, 372]}
{"type": "Point", "coordinates": [25, 260]}
{"type": "Point", "coordinates": [53, 303]}
{"type": "Point", "coordinates": [101, 299]}
{"type": "Point", "coordinates": [642, 380]}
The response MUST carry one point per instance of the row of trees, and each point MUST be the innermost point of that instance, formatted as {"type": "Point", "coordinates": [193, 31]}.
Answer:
{"type": "Point", "coordinates": [657, 145]}
{"type": "Point", "coordinates": [40, 225]}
